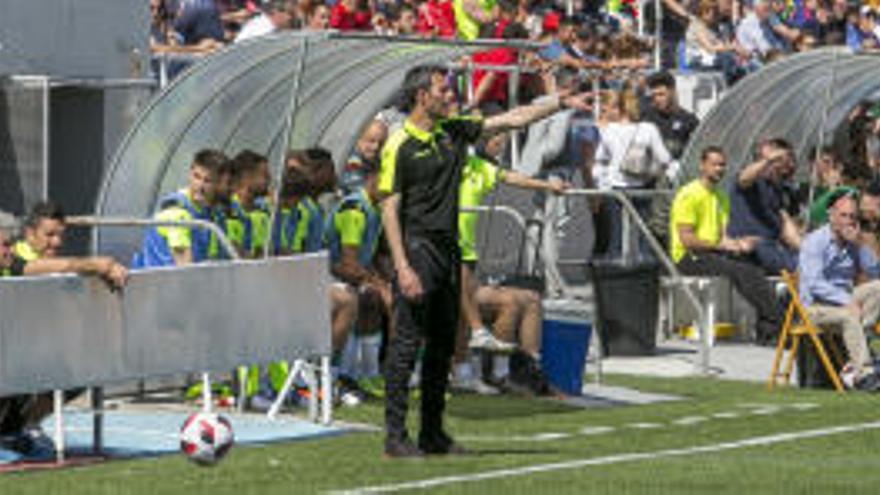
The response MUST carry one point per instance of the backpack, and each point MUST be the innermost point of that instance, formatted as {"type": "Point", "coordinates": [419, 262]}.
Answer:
{"type": "Point", "coordinates": [638, 160]}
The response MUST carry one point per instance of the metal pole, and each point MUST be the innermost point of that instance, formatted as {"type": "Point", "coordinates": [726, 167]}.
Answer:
{"type": "Point", "coordinates": [45, 144]}
{"type": "Point", "coordinates": [625, 234]}
{"type": "Point", "coordinates": [207, 398]}
{"type": "Point", "coordinates": [512, 101]}
{"type": "Point", "coordinates": [91, 221]}
{"type": "Point", "coordinates": [658, 33]}
{"type": "Point", "coordinates": [97, 400]}
{"type": "Point", "coordinates": [327, 388]}
{"type": "Point", "coordinates": [641, 18]}
{"type": "Point", "coordinates": [58, 409]}
{"type": "Point", "coordinates": [285, 143]}
{"type": "Point", "coordinates": [477, 43]}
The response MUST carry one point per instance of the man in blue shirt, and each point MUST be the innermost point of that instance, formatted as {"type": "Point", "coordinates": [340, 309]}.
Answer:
{"type": "Point", "coordinates": [831, 261]}
{"type": "Point", "coordinates": [757, 208]}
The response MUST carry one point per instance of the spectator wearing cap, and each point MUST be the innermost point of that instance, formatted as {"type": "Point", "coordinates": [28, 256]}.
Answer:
{"type": "Point", "coordinates": [276, 15]}
{"type": "Point", "coordinates": [757, 208]}
{"type": "Point", "coordinates": [861, 34]}
{"type": "Point", "coordinates": [831, 263]}
{"type": "Point", "coordinates": [470, 15]}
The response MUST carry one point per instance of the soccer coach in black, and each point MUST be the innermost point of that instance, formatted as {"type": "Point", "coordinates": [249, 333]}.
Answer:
{"type": "Point", "coordinates": [419, 179]}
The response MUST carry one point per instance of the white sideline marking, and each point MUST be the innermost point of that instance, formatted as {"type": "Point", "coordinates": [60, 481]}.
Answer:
{"type": "Point", "coordinates": [539, 437]}
{"type": "Point", "coordinates": [614, 459]}
{"type": "Point", "coordinates": [690, 420]}
{"type": "Point", "coordinates": [596, 430]}
{"type": "Point", "coordinates": [644, 426]}
{"type": "Point", "coordinates": [726, 415]}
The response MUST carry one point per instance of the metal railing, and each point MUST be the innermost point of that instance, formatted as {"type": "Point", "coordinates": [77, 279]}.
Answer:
{"type": "Point", "coordinates": [299, 366]}
{"type": "Point", "coordinates": [95, 221]}
{"type": "Point", "coordinates": [630, 211]}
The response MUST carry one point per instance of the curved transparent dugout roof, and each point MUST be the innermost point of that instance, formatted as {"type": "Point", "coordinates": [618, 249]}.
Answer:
{"type": "Point", "coordinates": [242, 98]}
{"type": "Point", "coordinates": [800, 98]}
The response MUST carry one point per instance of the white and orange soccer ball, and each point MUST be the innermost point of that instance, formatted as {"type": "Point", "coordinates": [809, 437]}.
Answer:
{"type": "Point", "coordinates": [205, 438]}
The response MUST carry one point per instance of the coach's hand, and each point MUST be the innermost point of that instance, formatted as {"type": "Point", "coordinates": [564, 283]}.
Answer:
{"type": "Point", "coordinates": [410, 284]}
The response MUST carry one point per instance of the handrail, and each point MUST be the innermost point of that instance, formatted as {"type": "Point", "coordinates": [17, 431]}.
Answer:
{"type": "Point", "coordinates": [508, 210]}
{"type": "Point", "coordinates": [98, 221]}
{"type": "Point", "coordinates": [621, 197]}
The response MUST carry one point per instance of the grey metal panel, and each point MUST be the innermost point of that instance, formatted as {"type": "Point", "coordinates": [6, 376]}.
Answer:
{"type": "Point", "coordinates": [76, 332]}
{"type": "Point", "coordinates": [788, 99]}
{"type": "Point", "coordinates": [238, 97]}
{"type": "Point", "coordinates": [23, 142]}
{"type": "Point", "coordinates": [75, 38]}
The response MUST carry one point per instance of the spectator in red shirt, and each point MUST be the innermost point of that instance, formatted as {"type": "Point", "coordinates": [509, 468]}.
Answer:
{"type": "Point", "coordinates": [436, 18]}
{"type": "Point", "coordinates": [490, 87]}
{"type": "Point", "coordinates": [350, 15]}
{"type": "Point", "coordinates": [506, 12]}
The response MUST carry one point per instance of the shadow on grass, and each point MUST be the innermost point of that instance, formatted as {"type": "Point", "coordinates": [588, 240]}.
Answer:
{"type": "Point", "coordinates": [476, 407]}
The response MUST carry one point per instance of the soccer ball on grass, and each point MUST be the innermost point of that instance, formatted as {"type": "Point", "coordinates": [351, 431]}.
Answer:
{"type": "Point", "coordinates": [205, 438]}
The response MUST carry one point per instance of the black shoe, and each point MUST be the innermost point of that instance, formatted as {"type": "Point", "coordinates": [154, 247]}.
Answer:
{"type": "Point", "coordinates": [526, 372]}
{"type": "Point", "coordinates": [401, 448]}
{"type": "Point", "coordinates": [868, 383]}
{"type": "Point", "coordinates": [440, 444]}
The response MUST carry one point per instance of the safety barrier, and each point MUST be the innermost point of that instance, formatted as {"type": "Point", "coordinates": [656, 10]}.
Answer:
{"type": "Point", "coordinates": [80, 334]}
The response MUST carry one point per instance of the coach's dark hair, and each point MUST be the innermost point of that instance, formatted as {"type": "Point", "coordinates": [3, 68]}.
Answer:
{"type": "Point", "coordinates": [44, 210]}
{"type": "Point", "coordinates": [418, 78]}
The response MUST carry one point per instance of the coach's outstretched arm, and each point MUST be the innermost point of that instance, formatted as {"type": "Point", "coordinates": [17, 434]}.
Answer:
{"type": "Point", "coordinates": [408, 279]}
{"type": "Point", "coordinates": [526, 114]}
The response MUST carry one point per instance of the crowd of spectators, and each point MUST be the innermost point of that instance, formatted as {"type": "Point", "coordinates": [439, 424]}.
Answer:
{"type": "Point", "coordinates": [730, 36]}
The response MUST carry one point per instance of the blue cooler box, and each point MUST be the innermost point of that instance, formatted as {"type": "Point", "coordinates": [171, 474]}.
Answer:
{"type": "Point", "coordinates": [564, 342]}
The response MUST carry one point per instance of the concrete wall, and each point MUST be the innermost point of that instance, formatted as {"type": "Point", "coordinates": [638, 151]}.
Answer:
{"type": "Point", "coordinates": [74, 38]}
{"type": "Point", "coordinates": [68, 41]}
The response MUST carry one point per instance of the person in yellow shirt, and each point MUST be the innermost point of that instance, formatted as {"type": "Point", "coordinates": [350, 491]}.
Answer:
{"type": "Point", "coordinates": [700, 247]}
{"type": "Point", "coordinates": [470, 15]}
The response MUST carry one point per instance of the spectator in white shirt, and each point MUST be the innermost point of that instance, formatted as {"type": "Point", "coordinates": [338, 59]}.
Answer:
{"type": "Point", "coordinates": [755, 33]}
{"type": "Point", "coordinates": [630, 155]}
{"type": "Point", "coordinates": [277, 15]}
